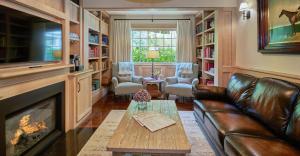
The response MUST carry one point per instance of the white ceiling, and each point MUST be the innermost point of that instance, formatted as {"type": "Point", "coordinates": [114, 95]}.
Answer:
{"type": "Point", "coordinates": [153, 12]}
{"type": "Point", "coordinates": [134, 4]}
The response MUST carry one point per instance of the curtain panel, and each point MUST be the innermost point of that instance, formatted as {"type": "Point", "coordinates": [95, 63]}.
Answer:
{"type": "Point", "coordinates": [184, 41]}
{"type": "Point", "coordinates": [121, 40]}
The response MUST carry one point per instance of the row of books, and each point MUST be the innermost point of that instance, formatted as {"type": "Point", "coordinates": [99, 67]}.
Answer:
{"type": "Point", "coordinates": [105, 51]}
{"type": "Point", "coordinates": [210, 38]}
{"type": "Point", "coordinates": [105, 40]}
{"type": "Point", "coordinates": [94, 52]}
{"type": "Point", "coordinates": [199, 40]}
{"type": "Point", "coordinates": [95, 84]}
{"type": "Point", "coordinates": [210, 24]}
{"type": "Point", "coordinates": [105, 65]}
{"type": "Point", "coordinates": [93, 38]}
{"type": "Point", "coordinates": [209, 66]}
{"type": "Point", "coordinates": [199, 52]}
{"type": "Point", "coordinates": [208, 52]}
{"type": "Point", "coordinates": [94, 65]}
{"type": "Point", "coordinates": [199, 28]}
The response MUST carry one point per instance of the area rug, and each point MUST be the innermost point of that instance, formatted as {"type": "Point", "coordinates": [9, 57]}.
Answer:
{"type": "Point", "coordinates": [96, 145]}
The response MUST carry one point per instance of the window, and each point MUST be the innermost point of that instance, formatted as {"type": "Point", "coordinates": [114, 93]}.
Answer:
{"type": "Point", "coordinates": [163, 41]}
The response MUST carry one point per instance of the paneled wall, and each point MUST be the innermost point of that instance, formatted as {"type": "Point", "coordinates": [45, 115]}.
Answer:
{"type": "Point", "coordinates": [247, 55]}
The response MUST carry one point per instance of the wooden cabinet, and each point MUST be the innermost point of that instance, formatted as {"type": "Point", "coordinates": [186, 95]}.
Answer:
{"type": "Point", "coordinates": [83, 98]}
{"type": "Point", "coordinates": [80, 96]}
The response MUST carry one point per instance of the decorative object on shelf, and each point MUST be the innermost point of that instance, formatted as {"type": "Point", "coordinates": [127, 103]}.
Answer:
{"type": "Point", "coordinates": [74, 36]}
{"type": "Point", "coordinates": [279, 29]}
{"type": "Point", "coordinates": [244, 8]}
{"type": "Point", "coordinates": [156, 74]}
{"type": "Point", "coordinates": [142, 97]}
{"type": "Point", "coordinates": [152, 54]}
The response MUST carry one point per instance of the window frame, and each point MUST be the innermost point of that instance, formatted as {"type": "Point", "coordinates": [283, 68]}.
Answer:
{"type": "Point", "coordinates": [156, 47]}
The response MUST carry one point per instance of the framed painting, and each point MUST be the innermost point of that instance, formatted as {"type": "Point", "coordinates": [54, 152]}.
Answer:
{"type": "Point", "coordinates": [279, 26]}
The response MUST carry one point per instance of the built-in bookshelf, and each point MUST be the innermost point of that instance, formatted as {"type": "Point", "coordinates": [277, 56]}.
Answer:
{"type": "Point", "coordinates": [205, 47]}
{"type": "Point", "coordinates": [98, 52]}
{"type": "Point", "coordinates": [105, 50]}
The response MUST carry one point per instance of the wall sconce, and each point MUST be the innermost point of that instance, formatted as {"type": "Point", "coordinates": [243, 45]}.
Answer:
{"type": "Point", "coordinates": [244, 7]}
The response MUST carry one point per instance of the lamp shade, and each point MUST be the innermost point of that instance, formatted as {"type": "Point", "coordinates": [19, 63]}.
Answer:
{"type": "Point", "coordinates": [152, 54]}
{"type": "Point", "coordinates": [244, 6]}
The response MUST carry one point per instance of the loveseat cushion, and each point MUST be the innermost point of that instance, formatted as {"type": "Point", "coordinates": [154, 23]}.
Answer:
{"type": "Point", "coordinates": [247, 145]}
{"type": "Point", "coordinates": [272, 103]}
{"type": "Point", "coordinates": [293, 129]}
{"type": "Point", "coordinates": [127, 88]}
{"type": "Point", "coordinates": [223, 123]}
{"type": "Point", "coordinates": [238, 87]}
{"type": "Point", "coordinates": [179, 89]}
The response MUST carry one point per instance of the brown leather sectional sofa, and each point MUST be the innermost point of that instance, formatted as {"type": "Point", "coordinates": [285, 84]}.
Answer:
{"type": "Point", "coordinates": [250, 117]}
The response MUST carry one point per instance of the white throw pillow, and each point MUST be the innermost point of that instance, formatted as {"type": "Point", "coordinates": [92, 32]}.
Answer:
{"type": "Point", "coordinates": [124, 78]}
{"type": "Point", "coordinates": [185, 80]}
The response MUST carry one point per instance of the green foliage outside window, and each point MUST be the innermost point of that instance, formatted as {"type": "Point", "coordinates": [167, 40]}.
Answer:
{"type": "Point", "coordinates": [163, 41]}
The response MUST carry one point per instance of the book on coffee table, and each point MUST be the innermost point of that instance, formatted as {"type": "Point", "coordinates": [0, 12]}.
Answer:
{"type": "Point", "coordinates": [153, 121]}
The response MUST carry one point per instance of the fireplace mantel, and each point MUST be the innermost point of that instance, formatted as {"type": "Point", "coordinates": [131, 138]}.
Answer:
{"type": "Point", "coordinates": [17, 72]}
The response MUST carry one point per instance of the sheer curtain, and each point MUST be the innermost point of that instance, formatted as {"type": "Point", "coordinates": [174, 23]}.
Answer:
{"type": "Point", "coordinates": [184, 41]}
{"type": "Point", "coordinates": [121, 40]}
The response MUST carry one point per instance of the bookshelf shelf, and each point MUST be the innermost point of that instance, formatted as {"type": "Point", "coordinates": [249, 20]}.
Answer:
{"type": "Point", "coordinates": [95, 72]}
{"type": "Point", "coordinates": [209, 73]}
{"type": "Point", "coordinates": [94, 44]}
{"type": "Point", "coordinates": [209, 44]}
{"type": "Point", "coordinates": [209, 59]}
{"type": "Point", "coordinates": [209, 30]}
{"type": "Point", "coordinates": [93, 58]}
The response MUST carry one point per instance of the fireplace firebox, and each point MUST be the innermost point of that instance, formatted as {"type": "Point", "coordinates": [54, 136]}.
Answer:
{"type": "Point", "coordinates": [31, 121]}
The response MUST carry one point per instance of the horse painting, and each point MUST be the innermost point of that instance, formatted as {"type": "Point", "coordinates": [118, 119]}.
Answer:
{"type": "Point", "coordinates": [293, 18]}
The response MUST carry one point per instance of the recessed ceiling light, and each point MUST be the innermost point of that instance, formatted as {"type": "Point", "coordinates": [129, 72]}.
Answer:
{"type": "Point", "coordinates": [148, 1]}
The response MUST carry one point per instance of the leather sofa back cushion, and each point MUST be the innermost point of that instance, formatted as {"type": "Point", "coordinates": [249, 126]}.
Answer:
{"type": "Point", "coordinates": [293, 130]}
{"type": "Point", "coordinates": [272, 103]}
{"type": "Point", "coordinates": [238, 86]}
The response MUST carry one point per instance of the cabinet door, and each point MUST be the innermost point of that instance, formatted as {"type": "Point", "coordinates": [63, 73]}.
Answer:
{"type": "Point", "coordinates": [84, 91]}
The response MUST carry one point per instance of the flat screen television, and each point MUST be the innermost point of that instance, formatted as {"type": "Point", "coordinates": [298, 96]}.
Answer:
{"type": "Point", "coordinates": [25, 38]}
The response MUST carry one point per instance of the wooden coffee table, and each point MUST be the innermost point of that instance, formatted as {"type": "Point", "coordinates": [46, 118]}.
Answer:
{"type": "Point", "coordinates": [131, 138]}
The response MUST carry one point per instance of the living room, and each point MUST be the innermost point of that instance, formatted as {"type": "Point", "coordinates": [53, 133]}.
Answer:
{"type": "Point", "coordinates": [149, 77]}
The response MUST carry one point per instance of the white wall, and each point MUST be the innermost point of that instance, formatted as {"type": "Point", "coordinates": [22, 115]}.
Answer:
{"type": "Point", "coordinates": [247, 54]}
{"type": "Point", "coordinates": [172, 3]}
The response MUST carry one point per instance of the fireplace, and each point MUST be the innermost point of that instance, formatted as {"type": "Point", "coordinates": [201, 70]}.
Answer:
{"type": "Point", "coordinates": [31, 121]}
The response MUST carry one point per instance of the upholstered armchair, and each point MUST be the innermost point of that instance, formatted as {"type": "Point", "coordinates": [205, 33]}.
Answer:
{"type": "Point", "coordinates": [124, 81]}
{"type": "Point", "coordinates": [182, 83]}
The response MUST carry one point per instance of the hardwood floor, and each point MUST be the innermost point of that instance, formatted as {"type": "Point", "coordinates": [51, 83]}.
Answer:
{"type": "Point", "coordinates": [71, 143]}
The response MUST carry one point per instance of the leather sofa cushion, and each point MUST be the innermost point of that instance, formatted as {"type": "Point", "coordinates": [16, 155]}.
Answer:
{"type": "Point", "coordinates": [238, 86]}
{"type": "Point", "coordinates": [246, 145]}
{"type": "Point", "coordinates": [223, 123]}
{"type": "Point", "coordinates": [293, 129]}
{"type": "Point", "coordinates": [272, 103]}
{"type": "Point", "coordinates": [212, 106]}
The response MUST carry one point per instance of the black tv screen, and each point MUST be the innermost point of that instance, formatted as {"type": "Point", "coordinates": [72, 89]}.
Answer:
{"type": "Point", "coordinates": [27, 38]}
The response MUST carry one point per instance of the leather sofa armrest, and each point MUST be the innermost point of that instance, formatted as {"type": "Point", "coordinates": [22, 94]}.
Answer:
{"type": "Point", "coordinates": [202, 92]}
{"type": "Point", "coordinates": [138, 79]}
{"type": "Point", "coordinates": [115, 82]}
{"type": "Point", "coordinates": [171, 80]}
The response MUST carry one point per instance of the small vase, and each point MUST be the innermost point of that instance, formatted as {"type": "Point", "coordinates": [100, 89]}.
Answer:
{"type": "Point", "coordinates": [142, 105]}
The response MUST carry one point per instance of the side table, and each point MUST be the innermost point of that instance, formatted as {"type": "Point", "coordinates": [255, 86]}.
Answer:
{"type": "Point", "coordinates": [151, 86]}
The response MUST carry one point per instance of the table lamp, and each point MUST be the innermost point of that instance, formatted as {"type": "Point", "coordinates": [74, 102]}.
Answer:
{"type": "Point", "coordinates": [152, 54]}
